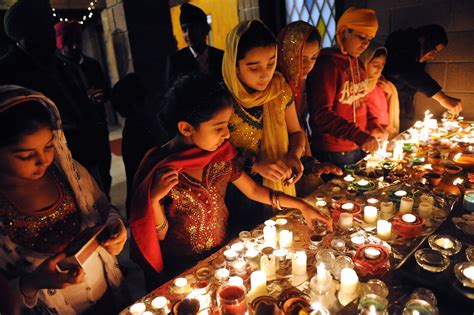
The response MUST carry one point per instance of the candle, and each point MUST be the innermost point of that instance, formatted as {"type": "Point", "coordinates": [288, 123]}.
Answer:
{"type": "Point", "coordinates": [400, 193]}
{"type": "Point", "coordinates": [347, 206]}
{"type": "Point", "coordinates": [269, 234]}
{"type": "Point", "coordinates": [180, 284]}
{"type": "Point", "coordinates": [269, 223]}
{"type": "Point", "coordinates": [318, 309]}
{"type": "Point", "coordinates": [230, 254]}
{"type": "Point", "coordinates": [322, 274]}
{"type": "Point", "coordinates": [363, 182]}
{"type": "Point", "coordinates": [160, 303]}
{"type": "Point", "coordinates": [372, 201]}
{"type": "Point", "coordinates": [468, 201]}
{"type": "Point", "coordinates": [286, 239]}
{"type": "Point", "coordinates": [371, 253]}
{"type": "Point", "coordinates": [345, 220]}
{"type": "Point", "coordinates": [268, 265]}
{"type": "Point", "coordinates": [406, 205]}
{"type": "Point", "coordinates": [281, 222]}
{"type": "Point", "coordinates": [298, 263]}
{"type": "Point", "coordinates": [384, 230]}
{"type": "Point", "coordinates": [469, 273]}
{"type": "Point", "coordinates": [138, 308]}
{"type": "Point", "coordinates": [321, 204]}
{"type": "Point", "coordinates": [445, 243]}
{"type": "Point", "coordinates": [357, 240]}
{"type": "Point", "coordinates": [349, 281]}
{"type": "Point", "coordinates": [280, 254]}
{"type": "Point", "coordinates": [236, 280]}
{"type": "Point", "coordinates": [147, 313]}
{"type": "Point", "coordinates": [338, 244]}
{"type": "Point", "coordinates": [408, 218]}
{"type": "Point", "coordinates": [258, 283]}
{"type": "Point", "coordinates": [237, 247]}
{"type": "Point", "coordinates": [425, 209]}
{"type": "Point", "coordinates": [349, 178]}
{"type": "Point", "coordinates": [251, 253]}
{"type": "Point", "coordinates": [427, 198]}
{"type": "Point", "coordinates": [370, 214]}
{"type": "Point", "coordinates": [386, 207]}
{"type": "Point", "coordinates": [222, 274]}
{"type": "Point", "coordinates": [232, 300]}
{"type": "Point", "coordinates": [240, 267]}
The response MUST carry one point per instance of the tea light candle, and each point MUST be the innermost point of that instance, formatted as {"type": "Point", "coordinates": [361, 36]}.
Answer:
{"type": "Point", "coordinates": [347, 206]}
{"type": "Point", "coordinates": [180, 284]}
{"type": "Point", "coordinates": [298, 263]}
{"type": "Point", "coordinates": [371, 253]}
{"type": "Point", "coordinates": [268, 264]}
{"type": "Point", "coordinates": [280, 254]}
{"type": "Point", "coordinates": [230, 254]}
{"type": "Point", "coordinates": [281, 222]}
{"type": "Point", "coordinates": [345, 220]}
{"type": "Point", "coordinates": [138, 308]}
{"type": "Point", "coordinates": [357, 240]}
{"type": "Point", "coordinates": [370, 214]}
{"type": "Point", "coordinates": [269, 234]}
{"type": "Point", "coordinates": [240, 267]}
{"type": "Point", "coordinates": [251, 253]}
{"type": "Point", "coordinates": [406, 205]}
{"type": "Point", "coordinates": [386, 207]}
{"type": "Point", "coordinates": [445, 243]}
{"type": "Point", "coordinates": [159, 303]}
{"type": "Point", "coordinates": [237, 247]}
{"type": "Point", "coordinates": [269, 223]}
{"type": "Point", "coordinates": [338, 244]}
{"type": "Point", "coordinates": [286, 239]}
{"type": "Point", "coordinates": [258, 283]}
{"type": "Point", "coordinates": [235, 280]}
{"type": "Point", "coordinates": [321, 204]}
{"type": "Point", "coordinates": [349, 178]}
{"type": "Point", "coordinates": [400, 193]}
{"type": "Point", "coordinates": [372, 201]}
{"type": "Point", "coordinates": [408, 218]}
{"type": "Point", "coordinates": [425, 209]}
{"type": "Point", "coordinates": [222, 274]}
{"type": "Point", "coordinates": [469, 273]}
{"type": "Point", "coordinates": [384, 230]}
{"type": "Point", "coordinates": [362, 183]}
{"type": "Point", "coordinates": [349, 281]}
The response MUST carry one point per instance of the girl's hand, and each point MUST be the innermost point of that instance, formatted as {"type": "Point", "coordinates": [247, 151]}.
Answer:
{"type": "Point", "coordinates": [310, 214]}
{"type": "Point", "coordinates": [294, 163]}
{"type": "Point", "coordinates": [326, 168]}
{"type": "Point", "coordinates": [163, 181]}
{"type": "Point", "coordinates": [116, 236]}
{"type": "Point", "coordinates": [390, 130]}
{"type": "Point", "coordinates": [47, 276]}
{"type": "Point", "coordinates": [274, 171]}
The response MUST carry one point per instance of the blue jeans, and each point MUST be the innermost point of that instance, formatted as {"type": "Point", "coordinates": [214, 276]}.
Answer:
{"type": "Point", "coordinates": [340, 158]}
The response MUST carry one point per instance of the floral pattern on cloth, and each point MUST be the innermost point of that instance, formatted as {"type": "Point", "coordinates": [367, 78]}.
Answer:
{"type": "Point", "coordinates": [196, 211]}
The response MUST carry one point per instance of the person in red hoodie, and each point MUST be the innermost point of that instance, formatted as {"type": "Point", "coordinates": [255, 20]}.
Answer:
{"type": "Point", "coordinates": [336, 89]}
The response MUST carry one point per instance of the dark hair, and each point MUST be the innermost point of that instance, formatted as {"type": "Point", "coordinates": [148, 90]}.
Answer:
{"type": "Point", "coordinates": [430, 36]}
{"type": "Point", "coordinates": [257, 35]}
{"type": "Point", "coordinates": [379, 52]}
{"type": "Point", "coordinates": [21, 120]}
{"type": "Point", "coordinates": [195, 99]}
{"type": "Point", "coordinates": [314, 36]}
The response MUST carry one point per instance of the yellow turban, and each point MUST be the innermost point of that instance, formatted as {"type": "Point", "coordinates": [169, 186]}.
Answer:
{"type": "Point", "coordinates": [360, 20]}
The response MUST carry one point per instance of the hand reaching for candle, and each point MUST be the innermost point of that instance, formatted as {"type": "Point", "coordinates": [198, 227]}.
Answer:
{"type": "Point", "coordinates": [326, 168]}
{"type": "Point", "coordinates": [370, 145]}
{"type": "Point", "coordinates": [273, 171]}
{"type": "Point", "coordinates": [310, 214]}
{"type": "Point", "coordinates": [115, 237]}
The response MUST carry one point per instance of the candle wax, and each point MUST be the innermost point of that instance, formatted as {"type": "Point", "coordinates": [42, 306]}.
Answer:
{"type": "Point", "coordinates": [357, 240]}
{"type": "Point", "coordinates": [159, 302]}
{"type": "Point", "coordinates": [363, 182]}
{"type": "Point", "coordinates": [444, 243]}
{"type": "Point", "coordinates": [408, 218]}
{"type": "Point", "coordinates": [347, 206]}
{"type": "Point", "coordinates": [469, 273]}
{"type": "Point", "coordinates": [372, 253]}
{"type": "Point", "coordinates": [400, 193]}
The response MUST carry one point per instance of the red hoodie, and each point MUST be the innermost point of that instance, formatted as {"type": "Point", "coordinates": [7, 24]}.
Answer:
{"type": "Point", "coordinates": [333, 86]}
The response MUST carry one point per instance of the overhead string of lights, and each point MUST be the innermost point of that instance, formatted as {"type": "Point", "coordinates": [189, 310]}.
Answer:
{"type": "Point", "coordinates": [85, 17]}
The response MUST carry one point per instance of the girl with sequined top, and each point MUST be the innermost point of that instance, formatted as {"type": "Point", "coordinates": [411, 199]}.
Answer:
{"type": "Point", "coordinates": [178, 211]}
{"type": "Point", "coordinates": [46, 200]}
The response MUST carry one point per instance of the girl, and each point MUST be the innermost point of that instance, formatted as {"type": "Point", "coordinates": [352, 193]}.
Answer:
{"type": "Point", "coordinates": [382, 100]}
{"type": "Point", "coordinates": [178, 212]}
{"type": "Point", "coordinates": [338, 115]}
{"type": "Point", "coordinates": [46, 199]}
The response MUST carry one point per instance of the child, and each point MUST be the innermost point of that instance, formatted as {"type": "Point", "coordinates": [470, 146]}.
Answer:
{"type": "Point", "coordinates": [338, 115]}
{"type": "Point", "coordinates": [46, 199]}
{"type": "Point", "coordinates": [382, 100]}
{"type": "Point", "coordinates": [178, 212]}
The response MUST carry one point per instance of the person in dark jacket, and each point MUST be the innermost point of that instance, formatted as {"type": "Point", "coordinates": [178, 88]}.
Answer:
{"type": "Point", "coordinates": [408, 52]}
{"type": "Point", "coordinates": [198, 56]}
{"type": "Point", "coordinates": [96, 85]}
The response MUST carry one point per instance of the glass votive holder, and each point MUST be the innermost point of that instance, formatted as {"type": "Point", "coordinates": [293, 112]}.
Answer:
{"type": "Point", "coordinates": [340, 263]}
{"type": "Point", "coordinates": [245, 236]}
{"type": "Point", "coordinates": [419, 307]}
{"type": "Point", "coordinates": [425, 295]}
{"type": "Point", "coordinates": [338, 244]}
{"type": "Point", "coordinates": [327, 257]}
{"type": "Point", "coordinates": [375, 286]}
{"type": "Point", "coordinates": [372, 304]}
{"type": "Point", "coordinates": [222, 275]}
{"type": "Point", "coordinates": [231, 299]}
{"type": "Point", "coordinates": [470, 254]}
{"type": "Point", "coordinates": [160, 305]}
{"type": "Point", "coordinates": [230, 255]}
{"type": "Point", "coordinates": [137, 308]}
{"type": "Point", "coordinates": [238, 247]}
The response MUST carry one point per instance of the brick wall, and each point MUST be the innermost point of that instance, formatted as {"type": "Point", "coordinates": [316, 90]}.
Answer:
{"type": "Point", "coordinates": [454, 67]}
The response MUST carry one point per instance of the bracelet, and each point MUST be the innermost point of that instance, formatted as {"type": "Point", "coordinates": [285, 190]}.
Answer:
{"type": "Point", "coordinates": [275, 199]}
{"type": "Point", "coordinates": [162, 226]}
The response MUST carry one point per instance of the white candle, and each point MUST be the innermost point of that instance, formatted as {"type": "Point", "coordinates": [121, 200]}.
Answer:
{"type": "Point", "coordinates": [345, 220]}
{"type": "Point", "coordinates": [386, 207]}
{"type": "Point", "coordinates": [299, 263]}
{"type": "Point", "coordinates": [338, 244]}
{"type": "Point", "coordinates": [357, 240]}
{"type": "Point", "coordinates": [445, 243]}
{"type": "Point", "coordinates": [347, 206]}
{"type": "Point", "coordinates": [240, 267]}
{"type": "Point", "coordinates": [180, 284]}
{"type": "Point", "coordinates": [427, 198]}
{"type": "Point", "coordinates": [160, 302]}
{"type": "Point", "coordinates": [235, 280]}
{"type": "Point", "coordinates": [372, 201]}
{"type": "Point", "coordinates": [349, 281]}
{"type": "Point", "coordinates": [280, 254]}
{"type": "Point", "coordinates": [270, 223]}
{"type": "Point", "coordinates": [222, 274]}
{"type": "Point", "coordinates": [258, 283]}
{"type": "Point", "coordinates": [372, 253]}
{"type": "Point", "coordinates": [251, 253]}
{"type": "Point", "coordinates": [469, 273]}
{"type": "Point", "coordinates": [138, 308]}
{"type": "Point", "coordinates": [406, 205]}
{"type": "Point", "coordinates": [230, 254]}
{"type": "Point", "coordinates": [237, 247]}
{"type": "Point", "coordinates": [269, 234]}
{"type": "Point", "coordinates": [268, 265]}
{"type": "Point", "coordinates": [408, 218]}
{"type": "Point", "coordinates": [370, 214]}
{"type": "Point", "coordinates": [425, 209]}
{"type": "Point", "coordinates": [349, 178]}
{"type": "Point", "coordinates": [363, 182]}
{"type": "Point", "coordinates": [400, 193]}
{"type": "Point", "coordinates": [322, 275]}
{"type": "Point", "coordinates": [286, 239]}
{"type": "Point", "coordinates": [384, 230]}
{"type": "Point", "coordinates": [321, 204]}
{"type": "Point", "coordinates": [280, 222]}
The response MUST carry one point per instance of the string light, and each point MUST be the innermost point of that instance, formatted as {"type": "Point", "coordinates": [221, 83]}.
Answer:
{"type": "Point", "coordinates": [90, 14]}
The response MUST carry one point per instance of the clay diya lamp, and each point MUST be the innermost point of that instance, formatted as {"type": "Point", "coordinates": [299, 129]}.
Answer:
{"type": "Point", "coordinates": [452, 169]}
{"type": "Point", "coordinates": [433, 178]}
{"type": "Point", "coordinates": [438, 169]}
{"type": "Point", "coordinates": [434, 158]}
{"type": "Point", "coordinates": [264, 305]}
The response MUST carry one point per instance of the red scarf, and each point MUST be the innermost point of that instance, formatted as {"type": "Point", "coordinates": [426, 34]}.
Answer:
{"type": "Point", "coordinates": [142, 220]}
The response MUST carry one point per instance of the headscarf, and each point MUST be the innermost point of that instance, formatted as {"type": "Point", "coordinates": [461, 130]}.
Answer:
{"type": "Point", "coordinates": [291, 41]}
{"type": "Point", "coordinates": [357, 19]}
{"type": "Point", "coordinates": [27, 16]}
{"type": "Point", "coordinates": [275, 140]}
{"type": "Point", "coordinates": [67, 29]}
{"type": "Point", "coordinates": [11, 95]}
{"type": "Point", "coordinates": [430, 36]}
{"type": "Point", "coordinates": [190, 14]}
{"type": "Point", "coordinates": [393, 102]}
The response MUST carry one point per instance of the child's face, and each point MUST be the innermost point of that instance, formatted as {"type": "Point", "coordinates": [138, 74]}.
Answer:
{"type": "Point", "coordinates": [375, 67]}
{"type": "Point", "coordinates": [257, 68]}
{"type": "Point", "coordinates": [212, 133]}
{"type": "Point", "coordinates": [310, 53]}
{"type": "Point", "coordinates": [30, 157]}
{"type": "Point", "coordinates": [355, 42]}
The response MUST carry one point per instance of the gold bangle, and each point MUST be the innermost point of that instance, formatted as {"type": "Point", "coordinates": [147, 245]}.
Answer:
{"type": "Point", "coordinates": [162, 226]}
{"type": "Point", "coordinates": [277, 200]}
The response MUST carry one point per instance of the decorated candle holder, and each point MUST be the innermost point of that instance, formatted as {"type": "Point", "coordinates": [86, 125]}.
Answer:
{"type": "Point", "coordinates": [346, 206]}
{"type": "Point", "coordinates": [372, 259]}
{"type": "Point", "coordinates": [433, 178]}
{"type": "Point", "coordinates": [452, 169]}
{"type": "Point", "coordinates": [292, 295]}
{"type": "Point", "coordinates": [445, 244]}
{"type": "Point", "coordinates": [363, 185]}
{"type": "Point", "coordinates": [407, 225]}
{"type": "Point", "coordinates": [395, 195]}
{"type": "Point", "coordinates": [431, 260]}
{"type": "Point", "coordinates": [352, 168]}
{"type": "Point", "coordinates": [465, 273]}
{"type": "Point", "coordinates": [264, 304]}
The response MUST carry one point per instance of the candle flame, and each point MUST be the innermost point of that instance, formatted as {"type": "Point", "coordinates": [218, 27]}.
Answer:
{"type": "Point", "coordinates": [458, 181]}
{"type": "Point", "coordinates": [457, 156]}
